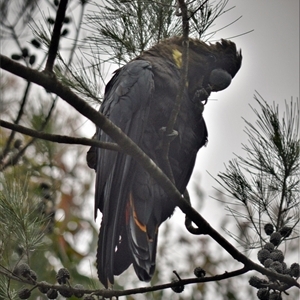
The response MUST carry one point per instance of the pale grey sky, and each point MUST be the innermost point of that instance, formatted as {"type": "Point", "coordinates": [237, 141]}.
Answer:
{"type": "Point", "coordinates": [270, 66]}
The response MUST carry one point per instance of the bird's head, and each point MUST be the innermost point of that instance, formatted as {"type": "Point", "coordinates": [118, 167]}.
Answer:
{"type": "Point", "coordinates": [226, 57]}
{"type": "Point", "coordinates": [215, 64]}
{"type": "Point", "coordinates": [219, 80]}
{"type": "Point", "coordinates": [226, 63]}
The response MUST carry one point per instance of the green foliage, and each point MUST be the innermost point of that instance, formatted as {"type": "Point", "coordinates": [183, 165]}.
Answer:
{"type": "Point", "coordinates": [125, 28]}
{"type": "Point", "coordinates": [122, 29]}
{"type": "Point", "coordinates": [266, 182]}
{"type": "Point", "coordinates": [24, 234]}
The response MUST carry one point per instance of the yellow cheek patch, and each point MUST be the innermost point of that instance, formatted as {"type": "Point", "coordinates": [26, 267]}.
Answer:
{"type": "Point", "coordinates": [177, 56]}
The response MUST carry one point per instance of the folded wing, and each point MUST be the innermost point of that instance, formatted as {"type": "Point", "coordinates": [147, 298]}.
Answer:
{"type": "Point", "coordinates": [126, 103]}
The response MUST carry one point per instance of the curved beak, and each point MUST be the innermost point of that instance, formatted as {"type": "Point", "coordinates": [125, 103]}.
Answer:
{"type": "Point", "coordinates": [219, 80]}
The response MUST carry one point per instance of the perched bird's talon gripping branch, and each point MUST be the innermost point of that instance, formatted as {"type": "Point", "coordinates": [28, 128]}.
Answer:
{"type": "Point", "coordinates": [139, 99]}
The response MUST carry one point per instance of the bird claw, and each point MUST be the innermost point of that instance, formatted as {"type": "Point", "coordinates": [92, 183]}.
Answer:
{"type": "Point", "coordinates": [163, 136]}
{"type": "Point", "coordinates": [171, 136]}
{"type": "Point", "coordinates": [202, 94]}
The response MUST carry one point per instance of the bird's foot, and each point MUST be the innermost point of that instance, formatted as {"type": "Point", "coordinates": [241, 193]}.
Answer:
{"type": "Point", "coordinates": [202, 95]}
{"type": "Point", "coordinates": [170, 136]}
{"type": "Point", "coordinates": [166, 137]}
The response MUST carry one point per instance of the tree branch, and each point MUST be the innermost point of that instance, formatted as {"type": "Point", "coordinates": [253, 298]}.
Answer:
{"type": "Point", "coordinates": [56, 35]}
{"type": "Point", "coordinates": [107, 293]}
{"type": "Point", "coordinates": [62, 139]}
{"type": "Point", "coordinates": [117, 293]}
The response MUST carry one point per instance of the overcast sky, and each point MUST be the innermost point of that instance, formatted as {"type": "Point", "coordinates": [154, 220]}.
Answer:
{"type": "Point", "coordinates": [270, 66]}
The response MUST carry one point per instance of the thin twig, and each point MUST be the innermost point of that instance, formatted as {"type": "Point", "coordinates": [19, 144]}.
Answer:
{"type": "Point", "coordinates": [53, 48]}
{"type": "Point", "coordinates": [20, 113]}
{"type": "Point", "coordinates": [13, 160]}
{"type": "Point", "coordinates": [61, 139]}
{"type": "Point", "coordinates": [199, 8]}
{"type": "Point", "coordinates": [77, 33]}
{"type": "Point", "coordinates": [188, 222]}
{"type": "Point", "coordinates": [181, 89]}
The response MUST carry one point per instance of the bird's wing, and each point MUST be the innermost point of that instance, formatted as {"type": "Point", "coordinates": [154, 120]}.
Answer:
{"type": "Point", "coordinates": [126, 103]}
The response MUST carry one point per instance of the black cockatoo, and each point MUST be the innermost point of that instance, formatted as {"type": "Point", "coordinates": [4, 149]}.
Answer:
{"type": "Point", "coordinates": [139, 99]}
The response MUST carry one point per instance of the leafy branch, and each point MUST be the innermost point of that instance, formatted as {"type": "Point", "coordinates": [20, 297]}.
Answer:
{"type": "Point", "coordinates": [50, 82]}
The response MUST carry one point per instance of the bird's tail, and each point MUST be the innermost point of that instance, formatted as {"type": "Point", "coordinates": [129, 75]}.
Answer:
{"type": "Point", "coordinates": [142, 243]}
{"type": "Point", "coordinates": [124, 242]}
